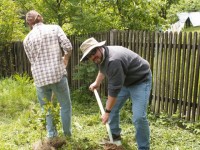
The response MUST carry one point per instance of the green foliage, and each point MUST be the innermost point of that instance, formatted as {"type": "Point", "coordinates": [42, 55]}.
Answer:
{"type": "Point", "coordinates": [83, 17]}
{"type": "Point", "coordinates": [11, 24]}
{"type": "Point", "coordinates": [56, 12]}
{"type": "Point", "coordinates": [21, 131]}
{"type": "Point", "coordinates": [194, 126]}
{"type": "Point", "coordinates": [37, 118]}
{"type": "Point", "coordinates": [94, 16]}
{"type": "Point", "coordinates": [164, 119]}
{"type": "Point", "coordinates": [192, 29]}
{"type": "Point", "coordinates": [182, 6]}
{"type": "Point", "coordinates": [15, 94]}
{"type": "Point", "coordinates": [187, 6]}
{"type": "Point", "coordinates": [52, 108]}
{"type": "Point", "coordinates": [85, 73]}
{"type": "Point", "coordinates": [106, 15]}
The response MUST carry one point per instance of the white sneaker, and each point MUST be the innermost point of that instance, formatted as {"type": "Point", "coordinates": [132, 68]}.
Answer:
{"type": "Point", "coordinates": [107, 141]}
{"type": "Point", "coordinates": [117, 142]}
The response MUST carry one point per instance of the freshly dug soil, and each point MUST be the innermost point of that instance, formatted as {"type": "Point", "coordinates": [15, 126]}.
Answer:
{"type": "Point", "coordinates": [49, 144]}
{"type": "Point", "coordinates": [109, 146]}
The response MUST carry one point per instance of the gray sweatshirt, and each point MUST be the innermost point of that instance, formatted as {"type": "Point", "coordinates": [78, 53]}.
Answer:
{"type": "Point", "coordinates": [122, 67]}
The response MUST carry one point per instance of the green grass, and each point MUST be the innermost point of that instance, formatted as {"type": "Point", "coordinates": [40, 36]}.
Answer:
{"type": "Point", "coordinates": [192, 29]}
{"type": "Point", "coordinates": [21, 129]}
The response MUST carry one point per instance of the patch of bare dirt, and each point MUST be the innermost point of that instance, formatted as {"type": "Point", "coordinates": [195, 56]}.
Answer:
{"type": "Point", "coordinates": [109, 146]}
{"type": "Point", "coordinates": [49, 144]}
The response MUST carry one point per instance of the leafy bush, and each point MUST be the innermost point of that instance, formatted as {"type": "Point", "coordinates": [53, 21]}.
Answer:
{"type": "Point", "coordinates": [16, 94]}
{"type": "Point", "coordinates": [85, 73]}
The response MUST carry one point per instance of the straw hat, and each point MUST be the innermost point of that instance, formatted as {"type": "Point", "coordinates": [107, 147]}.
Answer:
{"type": "Point", "coordinates": [88, 45]}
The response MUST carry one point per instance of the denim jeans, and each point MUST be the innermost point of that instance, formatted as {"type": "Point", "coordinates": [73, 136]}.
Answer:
{"type": "Point", "coordinates": [61, 91]}
{"type": "Point", "coordinates": [139, 94]}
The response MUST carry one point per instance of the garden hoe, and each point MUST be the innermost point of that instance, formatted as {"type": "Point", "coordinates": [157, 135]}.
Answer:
{"type": "Point", "coordinates": [102, 112]}
{"type": "Point", "coordinates": [111, 145]}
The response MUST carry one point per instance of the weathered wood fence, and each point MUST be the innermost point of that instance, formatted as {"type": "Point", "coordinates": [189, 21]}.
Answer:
{"type": "Point", "coordinates": [174, 60]}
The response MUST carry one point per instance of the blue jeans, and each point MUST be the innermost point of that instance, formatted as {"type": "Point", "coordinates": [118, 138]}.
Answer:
{"type": "Point", "coordinates": [61, 91]}
{"type": "Point", "coordinates": [139, 94]}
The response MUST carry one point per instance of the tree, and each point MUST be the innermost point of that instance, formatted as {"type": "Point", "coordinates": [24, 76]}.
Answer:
{"type": "Point", "coordinates": [182, 6]}
{"type": "Point", "coordinates": [89, 16]}
{"type": "Point", "coordinates": [11, 24]}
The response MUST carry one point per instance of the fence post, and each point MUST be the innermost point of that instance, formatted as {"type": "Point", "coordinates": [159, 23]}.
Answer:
{"type": "Point", "coordinates": [112, 34]}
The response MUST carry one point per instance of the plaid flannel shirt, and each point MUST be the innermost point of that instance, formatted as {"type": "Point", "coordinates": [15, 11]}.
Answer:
{"type": "Point", "coordinates": [43, 46]}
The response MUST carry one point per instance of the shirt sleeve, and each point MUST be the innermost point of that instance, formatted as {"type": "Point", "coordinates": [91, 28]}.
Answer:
{"type": "Point", "coordinates": [116, 78]}
{"type": "Point", "coordinates": [64, 41]}
{"type": "Point", "coordinates": [27, 50]}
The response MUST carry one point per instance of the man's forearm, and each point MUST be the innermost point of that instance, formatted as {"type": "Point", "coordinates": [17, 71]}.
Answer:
{"type": "Point", "coordinates": [99, 78]}
{"type": "Point", "coordinates": [110, 102]}
{"type": "Point", "coordinates": [66, 58]}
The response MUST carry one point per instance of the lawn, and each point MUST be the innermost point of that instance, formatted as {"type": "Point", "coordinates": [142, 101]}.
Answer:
{"type": "Point", "coordinates": [20, 125]}
{"type": "Point", "coordinates": [192, 29]}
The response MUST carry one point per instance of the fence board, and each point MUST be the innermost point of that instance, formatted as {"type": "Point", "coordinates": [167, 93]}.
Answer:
{"type": "Point", "coordinates": [159, 70]}
{"type": "Point", "coordinates": [177, 70]}
{"type": "Point", "coordinates": [133, 41]}
{"type": "Point", "coordinates": [182, 71]}
{"type": "Point", "coordinates": [7, 61]}
{"type": "Point", "coordinates": [119, 38]}
{"type": "Point", "coordinates": [148, 47]}
{"type": "Point", "coordinates": [191, 77]}
{"type": "Point", "coordinates": [172, 65]}
{"type": "Point", "coordinates": [197, 85]}
{"type": "Point", "coordinates": [155, 82]}
{"type": "Point", "coordinates": [137, 42]}
{"type": "Point", "coordinates": [164, 71]}
{"type": "Point", "coordinates": [144, 46]}
{"type": "Point", "coordinates": [152, 51]}
{"type": "Point", "coordinates": [185, 103]}
{"type": "Point", "coordinates": [130, 40]}
{"type": "Point", "coordinates": [168, 71]}
{"type": "Point", "coordinates": [140, 43]}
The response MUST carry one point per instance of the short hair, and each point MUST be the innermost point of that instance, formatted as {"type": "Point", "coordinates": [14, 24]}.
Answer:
{"type": "Point", "coordinates": [33, 17]}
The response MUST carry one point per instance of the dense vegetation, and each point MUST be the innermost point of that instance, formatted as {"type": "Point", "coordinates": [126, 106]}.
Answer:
{"type": "Point", "coordinates": [21, 123]}
{"type": "Point", "coordinates": [86, 16]}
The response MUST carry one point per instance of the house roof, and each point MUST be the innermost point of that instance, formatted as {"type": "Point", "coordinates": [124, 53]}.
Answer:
{"type": "Point", "coordinates": [193, 16]}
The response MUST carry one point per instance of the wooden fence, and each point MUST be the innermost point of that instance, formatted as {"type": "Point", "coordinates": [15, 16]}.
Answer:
{"type": "Point", "coordinates": [174, 60]}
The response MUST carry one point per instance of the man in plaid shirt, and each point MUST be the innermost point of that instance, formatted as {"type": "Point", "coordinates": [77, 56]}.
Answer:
{"type": "Point", "coordinates": [43, 46]}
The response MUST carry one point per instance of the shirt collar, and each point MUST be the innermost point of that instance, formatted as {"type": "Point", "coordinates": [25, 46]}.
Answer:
{"type": "Point", "coordinates": [37, 24]}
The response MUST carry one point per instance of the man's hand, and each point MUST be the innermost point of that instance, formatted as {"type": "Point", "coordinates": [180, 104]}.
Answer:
{"type": "Point", "coordinates": [93, 86]}
{"type": "Point", "coordinates": [66, 59]}
{"type": "Point", "coordinates": [105, 118]}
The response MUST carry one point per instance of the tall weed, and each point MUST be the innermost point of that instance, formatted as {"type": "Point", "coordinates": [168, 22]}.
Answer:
{"type": "Point", "coordinates": [16, 93]}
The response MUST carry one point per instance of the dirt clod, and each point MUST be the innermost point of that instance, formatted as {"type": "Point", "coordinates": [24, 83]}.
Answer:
{"type": "Point", "coordinates": [109, 146]}
{"type": "Point", "coordinates": [49, 144]}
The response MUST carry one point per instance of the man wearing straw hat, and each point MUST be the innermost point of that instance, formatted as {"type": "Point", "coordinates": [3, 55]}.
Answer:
{"type": "Point", "coordinates": [129, 76]}
{"type": "Point", "coordinates": [43, 46]}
